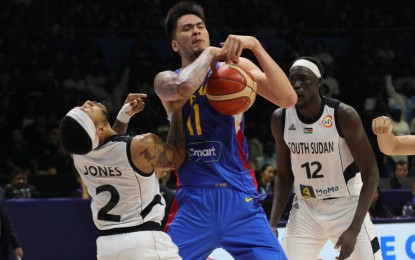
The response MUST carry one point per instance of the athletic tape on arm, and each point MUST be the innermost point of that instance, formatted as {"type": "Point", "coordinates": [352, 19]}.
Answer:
{"type": "Point", "coordinates": [122, 115]}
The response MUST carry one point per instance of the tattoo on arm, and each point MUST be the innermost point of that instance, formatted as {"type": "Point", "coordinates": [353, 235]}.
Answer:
{"type": "Point", "coordinates": [119, 127]}
{"type": "Point", "coordinates": [165, 153]}
{"type": "Point", "coordinates": [147, 155]}
{"type": "Point", "coordinates": [164, 84]}
{"type": "Point", "coordinates": [195, 73]}
{"type": "Point", "coordinates": [168, 83]}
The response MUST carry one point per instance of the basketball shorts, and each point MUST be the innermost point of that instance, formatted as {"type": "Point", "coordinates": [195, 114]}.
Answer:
{"type": "Point", "coordinates": [136, 245]}
{"type": "Point", "coordinates": [220, 217]}
{"type": "Point", "coordinates": [313, 222]}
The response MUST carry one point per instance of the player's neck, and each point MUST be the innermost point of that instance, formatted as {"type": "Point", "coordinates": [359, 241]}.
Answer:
{"type": "Point", "coordinates": [312, 110]}
{"type": "Point", "coordinates": [108, 134]}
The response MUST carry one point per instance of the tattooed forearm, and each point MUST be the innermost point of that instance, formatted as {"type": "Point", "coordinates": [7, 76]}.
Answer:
{"type": "Point", "coordinates": [195, 73]}
{"type": "Point", "coordinates": [170, 86]}
{"type": "Point", "coordinates": [176, 136]}
{"type": "Point", "coordinates": [165, 153]}
{"type": "Point", "coordinates": [119, 127]}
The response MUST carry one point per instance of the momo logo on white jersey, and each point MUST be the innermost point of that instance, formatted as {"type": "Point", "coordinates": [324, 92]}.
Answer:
{"type": "Point", "coordinates": [205, 151]}
{"type": "Point", "coordinates": [326, 191]}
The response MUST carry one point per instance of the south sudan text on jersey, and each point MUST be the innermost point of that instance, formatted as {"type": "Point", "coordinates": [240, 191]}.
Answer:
{"type": "Point", "coordinates": [311, 147]}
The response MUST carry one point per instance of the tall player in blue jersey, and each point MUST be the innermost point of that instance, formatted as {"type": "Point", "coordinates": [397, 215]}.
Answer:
{"type": "Point", "coordinates": [217, 200]}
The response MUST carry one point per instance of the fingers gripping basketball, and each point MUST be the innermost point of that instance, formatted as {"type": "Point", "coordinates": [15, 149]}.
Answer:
{"type": "Point", "coordinates": [231, 90]}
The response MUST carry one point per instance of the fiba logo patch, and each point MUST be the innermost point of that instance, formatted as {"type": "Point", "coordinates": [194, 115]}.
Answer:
{"type": "Point", "coordinates": [307, 191]}
{"type": "Point", "coordinates": [327, 121]}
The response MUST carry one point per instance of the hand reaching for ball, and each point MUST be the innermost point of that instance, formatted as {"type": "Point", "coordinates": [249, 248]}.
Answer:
{"type": "Point", "coordinates": [235, 44]}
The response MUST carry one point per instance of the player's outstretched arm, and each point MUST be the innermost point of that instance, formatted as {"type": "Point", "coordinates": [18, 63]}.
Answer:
{"type": "Point", "coordinates": [272, 82]}
{"type": "Point", "coordinates": [352, 129]}
{"type": "Point", "coordinates": [284, 178]}
{"type": "Point", "coordinates": [389, 143]}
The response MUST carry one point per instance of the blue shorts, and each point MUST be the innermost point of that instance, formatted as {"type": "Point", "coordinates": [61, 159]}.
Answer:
{"type": "Point", "coordinates": [213, 217]}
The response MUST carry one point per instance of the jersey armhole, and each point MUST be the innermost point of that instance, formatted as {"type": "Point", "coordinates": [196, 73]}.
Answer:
{"type": "Point", "coordinates": [128, 151]}
{"type": "Point", "coordinates": [336, 120]}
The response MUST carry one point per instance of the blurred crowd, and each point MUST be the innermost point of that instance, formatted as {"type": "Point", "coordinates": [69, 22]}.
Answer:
{"type": "Point", "coordinates": [56, 54]}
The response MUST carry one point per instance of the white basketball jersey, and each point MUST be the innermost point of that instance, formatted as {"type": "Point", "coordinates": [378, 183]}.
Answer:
{"type": "Point", "coordinates": [321, 161]}
{"type": "Point", "coordinates": [122, 196]}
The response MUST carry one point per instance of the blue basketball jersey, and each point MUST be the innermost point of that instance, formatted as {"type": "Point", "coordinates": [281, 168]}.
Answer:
{"type": "Point", "coordinates": [217, 150]}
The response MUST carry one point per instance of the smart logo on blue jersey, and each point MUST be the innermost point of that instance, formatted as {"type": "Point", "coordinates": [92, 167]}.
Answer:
{"type": "Point", "coordinates": [209, 151]}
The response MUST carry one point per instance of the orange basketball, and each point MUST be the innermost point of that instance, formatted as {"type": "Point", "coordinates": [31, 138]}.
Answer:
{"type": "Point", "coordinates": [231, 90]}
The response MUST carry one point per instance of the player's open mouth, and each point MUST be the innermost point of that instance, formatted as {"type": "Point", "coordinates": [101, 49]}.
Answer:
{"type": "Point", "coordinates": [198, 41]}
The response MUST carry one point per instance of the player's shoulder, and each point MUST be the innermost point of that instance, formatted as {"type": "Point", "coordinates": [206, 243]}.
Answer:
{"type": "Point", "coordinates": [342, 109]}
{"type": "Point", "coordinates": [346, 111]}
{"type": "Point", "coordinates": [277, 119]}
{"type": "Point", "coordinates": [147, 137]}
{"type": "Point", "coordinates": [143, 141]}
{"type": "Point", "coordinates": [348, 120]}
{"type": "Point", "coordinates": [278, 113]}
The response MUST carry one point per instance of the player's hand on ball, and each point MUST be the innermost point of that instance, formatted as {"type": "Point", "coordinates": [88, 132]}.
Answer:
{"type": "Point", "coordinates": [235, 44]}
{"type": "Point", "coordinates": [382, 125]}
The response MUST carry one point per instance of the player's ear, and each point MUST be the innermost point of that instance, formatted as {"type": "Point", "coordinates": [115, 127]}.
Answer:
{"type": "Point", "coordinates": [100, 130]}
{"type": "Point", "coordinates": [175, 46]}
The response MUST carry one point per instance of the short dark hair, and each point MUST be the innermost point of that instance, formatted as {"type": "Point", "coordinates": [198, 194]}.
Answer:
{"type": "Point", "coordinates": [73, 136]}
{"type": "Point", "coordinates": [400, 162]}
{"type": "Point", "coordinates": [177, 11]}
{"type": "Point", "coordinates": [265, 166]}
{"type": "Point", "coordinates": [16, 171]}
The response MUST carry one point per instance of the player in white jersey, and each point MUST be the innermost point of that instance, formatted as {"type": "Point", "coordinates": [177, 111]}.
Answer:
{"type": "Point", "coordinates": [325, 157]}
{"type": "Point", "coordinates": [118, 171]}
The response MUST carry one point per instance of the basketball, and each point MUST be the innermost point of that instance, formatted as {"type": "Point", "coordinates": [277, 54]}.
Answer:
{"type": "Point", "coordinates": [231, 90]}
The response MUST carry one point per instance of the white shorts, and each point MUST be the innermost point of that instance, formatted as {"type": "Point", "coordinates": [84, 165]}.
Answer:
{"type": "Point", "coordinates": [137, 245]}
{"type": "Point", "coordinates": [312, 222]}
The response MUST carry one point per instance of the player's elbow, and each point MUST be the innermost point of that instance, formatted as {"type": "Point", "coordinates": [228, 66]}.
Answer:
{"type": "Point", "coordinates": [289, 100]}
{"type": "Point", "coordinates": [292, 100]}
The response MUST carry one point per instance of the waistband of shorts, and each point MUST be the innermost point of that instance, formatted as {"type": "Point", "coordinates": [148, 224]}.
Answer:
{"type": "Point", "coordinates": [331, 198]}
{"type": "Point", "coordinates": [213, 185]}
{"type": "Point", "coordinates": [147, 226]}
